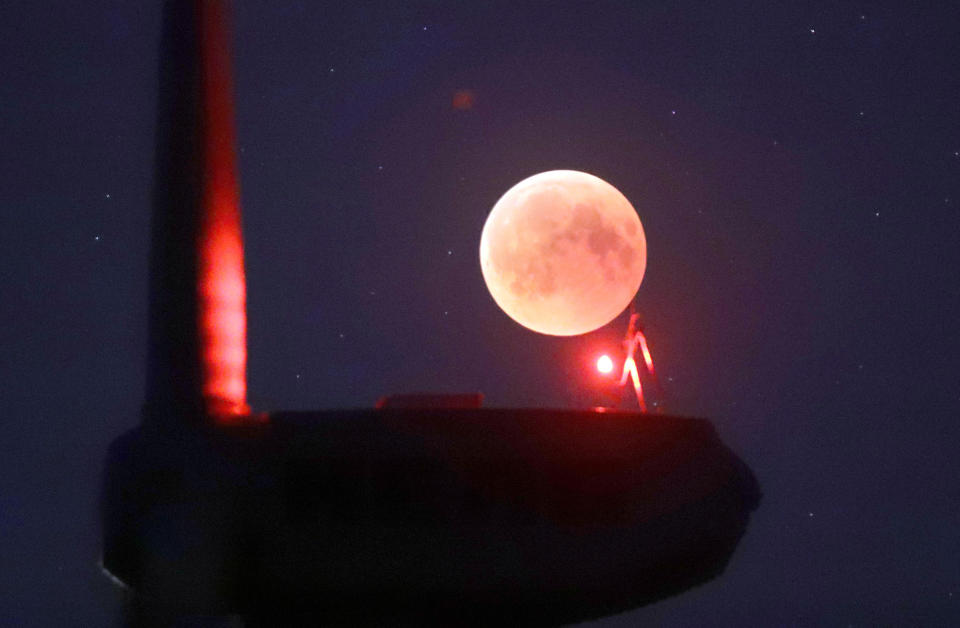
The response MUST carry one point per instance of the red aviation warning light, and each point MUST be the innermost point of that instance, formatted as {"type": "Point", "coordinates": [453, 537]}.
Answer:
{"type": "Point", "coordinates": [635, 339]}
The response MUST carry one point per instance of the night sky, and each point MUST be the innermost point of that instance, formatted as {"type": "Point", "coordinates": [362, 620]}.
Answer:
{"type": "Point", "coordinates": [796, 168]}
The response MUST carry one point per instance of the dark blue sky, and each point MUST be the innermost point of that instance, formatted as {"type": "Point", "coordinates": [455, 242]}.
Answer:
{"type": "Point", "coordinates": [796, 168]}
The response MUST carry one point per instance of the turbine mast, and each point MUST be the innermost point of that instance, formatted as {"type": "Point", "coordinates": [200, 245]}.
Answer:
{"type": "Point", "coordinates": [197, 345]}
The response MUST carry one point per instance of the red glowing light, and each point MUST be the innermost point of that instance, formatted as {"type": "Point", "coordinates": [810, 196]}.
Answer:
{"type": "Point", "coordinates": [221, 283]}
{"type": "Point", "coordinates": [605, 364]}
{"type": "Point", "coordinates": [463, 99]}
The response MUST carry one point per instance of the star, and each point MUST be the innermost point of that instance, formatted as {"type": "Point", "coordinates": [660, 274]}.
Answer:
{"type": "Point", "coordinates": [107, 195]}
{"type": "Point", "coordinates": [96, 238]}
{"type": "Point", "coordinates": [813, 31]}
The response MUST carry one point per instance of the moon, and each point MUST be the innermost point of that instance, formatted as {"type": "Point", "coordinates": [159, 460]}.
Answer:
{"type": "Point", "coordinates": [563, 252]}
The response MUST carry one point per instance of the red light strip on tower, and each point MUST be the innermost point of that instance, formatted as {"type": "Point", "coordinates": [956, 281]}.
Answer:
{"type": "Point", "coordinates": [221, 282]}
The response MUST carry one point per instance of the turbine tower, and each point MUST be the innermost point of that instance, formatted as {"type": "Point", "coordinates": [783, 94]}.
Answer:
{"type": "Point", "coordinates": [198, 321]}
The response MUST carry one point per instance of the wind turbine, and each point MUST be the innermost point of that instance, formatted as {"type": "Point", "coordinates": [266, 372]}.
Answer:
{"type": "Point", "coordinates": [424, 510]}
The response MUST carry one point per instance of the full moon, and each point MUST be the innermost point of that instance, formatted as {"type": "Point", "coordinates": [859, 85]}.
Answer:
{"type": "Point", "coordinates": [563, 252]}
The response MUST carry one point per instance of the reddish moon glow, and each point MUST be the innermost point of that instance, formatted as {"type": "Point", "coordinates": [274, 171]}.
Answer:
{"type": "Point", "coordinates": [563, 252]}
{"type": "Point", "coordinates": [605, 364]}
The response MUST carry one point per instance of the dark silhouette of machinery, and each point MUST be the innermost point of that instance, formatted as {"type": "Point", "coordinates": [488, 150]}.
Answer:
{"type": "Point", "coordinates": [424, 510]}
